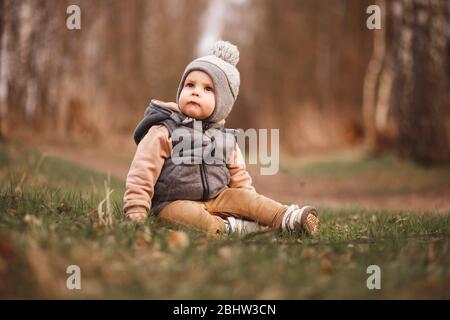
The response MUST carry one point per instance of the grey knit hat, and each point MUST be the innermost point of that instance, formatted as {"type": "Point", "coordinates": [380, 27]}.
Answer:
{"type": "Point", "coordinates": [220, 65]}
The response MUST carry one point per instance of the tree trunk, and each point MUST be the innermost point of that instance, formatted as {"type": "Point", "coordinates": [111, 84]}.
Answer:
{"type": "Point", "coordinates": [372, 85]}
{"type": "Point", "coordinates": [420, 100]}
{"type": "Point", "coordinates": [412, 91]}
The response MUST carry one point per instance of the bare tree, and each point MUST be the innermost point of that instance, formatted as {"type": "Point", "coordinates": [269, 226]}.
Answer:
{"type": "Point", "coordinates": [60, 82]}
{"type": "Point", "coordinates": [406, 89]}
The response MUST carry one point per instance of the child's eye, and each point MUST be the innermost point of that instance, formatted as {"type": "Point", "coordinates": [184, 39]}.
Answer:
{"type": "Point", "coordinates": [190, 85]}
{"type": "Point", "coordinates": [209, 89]}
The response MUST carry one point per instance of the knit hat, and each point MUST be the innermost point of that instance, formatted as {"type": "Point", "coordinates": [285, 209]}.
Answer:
{"type": "Point", "coordinates": [220, 65]}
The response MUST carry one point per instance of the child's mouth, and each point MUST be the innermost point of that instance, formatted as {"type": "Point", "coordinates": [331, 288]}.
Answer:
{"type": "Point", "coordinates": [194, 103]}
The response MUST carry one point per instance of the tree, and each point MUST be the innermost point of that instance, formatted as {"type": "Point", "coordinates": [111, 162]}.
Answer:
{"type": "Point", "coordinates": [406, 90]}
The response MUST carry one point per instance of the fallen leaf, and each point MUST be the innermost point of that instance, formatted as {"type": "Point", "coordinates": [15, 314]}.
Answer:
{"type": "Point", "coordinates": [273, 292]}
{"type": "Point", "coordinates": [177, 240]}
{"type": "Point", "coordinates": [326, 254]}
{"type": "Point", "coordinates": [93, 215]}
{"type": "Point", "coordinates": [63, 207]}
{"type": "Point", "coordinates": [7, 252]}
{"type": "Point", "coordinates": [144, 237]}
{"type": "Point", "coordinates": [431, 254]}
{"type": "Point", "coordinates": [309, 253]}
{"type": "Point", "coordinates": [326, 266]}
{"type": "Point", "coordinates": [226, 252]}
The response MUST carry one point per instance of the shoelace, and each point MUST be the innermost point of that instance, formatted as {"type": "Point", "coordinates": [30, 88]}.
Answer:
{"type": "Point", "coordinates": [288, 223]}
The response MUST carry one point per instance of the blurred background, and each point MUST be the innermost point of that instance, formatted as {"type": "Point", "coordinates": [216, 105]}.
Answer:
{"type": "Point", "coordinates": [311, 68]}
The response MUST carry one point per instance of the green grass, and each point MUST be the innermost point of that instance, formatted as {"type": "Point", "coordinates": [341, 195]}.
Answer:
{"type": "Point", "coordinates": [48, 222]}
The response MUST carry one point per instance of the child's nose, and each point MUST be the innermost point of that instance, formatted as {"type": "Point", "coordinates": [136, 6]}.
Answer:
{"type": "Point", "coordinates": [195, 92]}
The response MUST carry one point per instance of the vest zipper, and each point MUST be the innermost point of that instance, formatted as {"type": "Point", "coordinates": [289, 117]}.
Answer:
{"type": "Point", "coordinates": [205, 185]}
{"type": "Point", "coordinates": [205, 195]}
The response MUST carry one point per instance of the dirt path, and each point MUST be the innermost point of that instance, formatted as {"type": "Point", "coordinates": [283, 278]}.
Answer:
{"type": "Point", "coordinates": [327, 192]}
{"type": "Point", "coordinates": [330, 194]}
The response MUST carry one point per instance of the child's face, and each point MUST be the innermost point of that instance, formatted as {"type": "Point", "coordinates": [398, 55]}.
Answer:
{"type": "Point", "coordinates": [197, 96]}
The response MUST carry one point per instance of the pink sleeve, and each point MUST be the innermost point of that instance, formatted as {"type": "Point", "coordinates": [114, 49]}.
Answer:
{"type": "Point", "coordinates": [145, 169]}
{"type": "Point", "coordinates": [240, 178]}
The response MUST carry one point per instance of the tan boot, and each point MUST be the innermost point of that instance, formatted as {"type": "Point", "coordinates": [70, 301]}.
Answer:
{"type": "Point", "coordinates": [301, 220]}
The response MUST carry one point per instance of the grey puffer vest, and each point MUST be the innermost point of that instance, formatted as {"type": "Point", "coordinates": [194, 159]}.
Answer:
{"type": "Point", "coordinates": [197, 169]}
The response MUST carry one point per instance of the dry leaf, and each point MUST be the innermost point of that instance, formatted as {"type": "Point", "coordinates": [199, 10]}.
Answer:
{"type": "Point", "coordinates": [431, 254]}
{"type": "Point", "coordinates": [326, 266]}
{"type": "Point", "coordinates": [396, 219]}
{"type": "Point", "coordinates": [93, 215]}
{"type": "Point", "coordinates": [63, 207]}
{"type": "Point", "coordinates": [309, 253]}
{"type": "Point", "coordinates": [273, 292]}
{"type": "Point", "coordinates": [143, 240]}
{"type": "Point", "coordinates": [177, 240]}
{"type": "Point", "coordinates": [16, 199]}
{"type": "Point", "coordinates": [226, 252]}
{"type": "Point", "coordinates": [7, 253]}
{"type": "Point", "coordinates": [144, 237]}
{"type": "Point", "coordinates": [327, 253]}
{"type": "Point", "coordinates": [334, 222]}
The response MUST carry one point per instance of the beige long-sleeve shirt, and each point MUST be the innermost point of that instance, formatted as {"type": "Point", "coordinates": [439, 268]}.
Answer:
{"type": "Point", "coordinates": [152, 151]}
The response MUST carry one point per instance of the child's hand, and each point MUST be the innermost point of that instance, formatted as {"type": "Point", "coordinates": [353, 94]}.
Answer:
{"type": "Point", "coordinates": [137, 214]}
{"type": "Point", "coordinates": [138, 217]}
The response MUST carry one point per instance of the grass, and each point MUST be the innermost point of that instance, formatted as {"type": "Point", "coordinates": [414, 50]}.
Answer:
{"type": "Point", "coordinates": [48, 222]}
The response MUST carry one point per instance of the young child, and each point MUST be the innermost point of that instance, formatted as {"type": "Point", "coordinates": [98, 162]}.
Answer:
{"type": "Point", "coordinates": [214, 197]}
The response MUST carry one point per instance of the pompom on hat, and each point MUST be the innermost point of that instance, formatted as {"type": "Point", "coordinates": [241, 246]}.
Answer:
{"type": "Point", "coordinates": [220, 65]}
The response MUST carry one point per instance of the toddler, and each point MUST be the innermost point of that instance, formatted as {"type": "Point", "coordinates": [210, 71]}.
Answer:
{"type": "Point", "coordinates": [172, 177]}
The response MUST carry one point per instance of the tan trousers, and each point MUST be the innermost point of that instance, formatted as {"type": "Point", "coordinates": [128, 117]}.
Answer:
{"type": "Point", "coordinates": [239, 203]}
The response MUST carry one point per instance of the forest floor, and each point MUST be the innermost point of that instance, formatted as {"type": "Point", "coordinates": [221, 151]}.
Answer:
{"type": "Point", "coordinates": [50, 220]}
